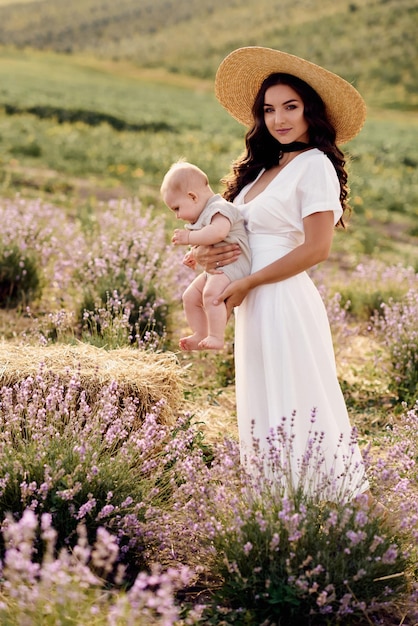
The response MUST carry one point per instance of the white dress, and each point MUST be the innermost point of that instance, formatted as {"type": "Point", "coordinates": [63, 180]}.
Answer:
{"type": "Point", "coordinates": [284, 356]}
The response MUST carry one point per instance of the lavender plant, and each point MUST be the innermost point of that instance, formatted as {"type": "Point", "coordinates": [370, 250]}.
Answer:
{"type": "Point", "coordinates": [394, 474]}
{"type": "Point", "coordinates": [279, 550]}
{"type": "Point", "coordinates": [38, 248]}
{"type": "Point", "coordinates": [57, 326]}
{"type": "Point", "coordinates": [398, 331]}
{"type": "Point", "coordinates": [112, 326]}
{"type": "Point", "coordinates": [342, 327]}
{"type": "Point", "coordinates": [268, 548]}
{"type": "Point", "coordinates": [20, 277]}
{"type": "Point", "coordinates": [69, 587]}
{"type": "Point", "coordinates": [129, 257]}
{"type": "Point", "coordinates": [372, 283]}
{"type": "Point", "coordinates": [96, 463]}
{"type": "Point", "coordinates": [295, 558]}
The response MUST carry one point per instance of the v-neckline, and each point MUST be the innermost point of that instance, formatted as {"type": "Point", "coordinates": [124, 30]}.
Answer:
{"type": "Point", "coordinates": [261, 172]}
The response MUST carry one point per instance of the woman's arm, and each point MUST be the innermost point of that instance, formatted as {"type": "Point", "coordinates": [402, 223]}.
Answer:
{"type": "Point", "coordinates": [319, 230]}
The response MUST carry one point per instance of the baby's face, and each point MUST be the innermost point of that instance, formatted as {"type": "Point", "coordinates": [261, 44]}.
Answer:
{"type": "Point", "coordinates": [186, 204]}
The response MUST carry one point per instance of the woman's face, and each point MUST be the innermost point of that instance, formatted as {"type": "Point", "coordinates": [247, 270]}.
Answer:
{"type": "Point", "coordinates": [284, 114]}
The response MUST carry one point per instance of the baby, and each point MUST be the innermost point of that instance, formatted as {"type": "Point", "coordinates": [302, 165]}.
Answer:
{"type": "Point", "coordinates": [211, 220]}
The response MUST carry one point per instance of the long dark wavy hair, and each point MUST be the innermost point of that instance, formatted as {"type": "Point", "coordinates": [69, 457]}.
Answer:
{"type": "Point", "coordinates": [263, 151]}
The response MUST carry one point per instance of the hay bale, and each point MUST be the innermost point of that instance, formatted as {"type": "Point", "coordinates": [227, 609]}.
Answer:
{"type": "Point", "coordinates": [145, 375]}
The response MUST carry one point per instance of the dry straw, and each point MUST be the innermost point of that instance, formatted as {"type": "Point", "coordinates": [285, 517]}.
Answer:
{"type": "Point", "coordinates": [148, 376]}
{"type": "Point", "coordinates": [241, 73]}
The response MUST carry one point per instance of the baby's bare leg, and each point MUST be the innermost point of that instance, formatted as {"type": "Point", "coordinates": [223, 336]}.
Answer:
{"type": "Point", "coordinates": [215, 314]}
{"type": "Point", "coordinates": [196, 317]}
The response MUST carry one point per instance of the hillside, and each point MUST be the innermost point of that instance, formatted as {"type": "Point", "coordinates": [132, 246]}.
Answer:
{"type": "Point", "coordinates": [110, 94]}
{"type": "Point", "coordinates": [371, 42]}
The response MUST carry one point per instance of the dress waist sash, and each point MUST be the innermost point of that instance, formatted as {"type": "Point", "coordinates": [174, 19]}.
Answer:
{"type": "Point", "coordinates": [266, 249]}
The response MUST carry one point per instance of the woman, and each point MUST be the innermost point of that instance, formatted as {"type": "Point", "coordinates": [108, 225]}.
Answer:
{"type": "Point", "coordinates": [291, 186]}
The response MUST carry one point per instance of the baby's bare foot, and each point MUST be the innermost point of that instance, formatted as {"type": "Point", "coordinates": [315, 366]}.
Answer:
{"type": "Point", "coordinates": [190, 343]}
{"type": "Point", "coordinates": [211, 343]}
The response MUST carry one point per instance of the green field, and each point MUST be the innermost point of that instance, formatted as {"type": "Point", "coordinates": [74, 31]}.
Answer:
{"type": "Point", "coordinates": [97, 100]}
{"type": "Point", "coordinates": [371, 42]}
{"type": "Point", "coordinates": [157, 122]}
{"type": "Point", "coordinates": [76, 130]}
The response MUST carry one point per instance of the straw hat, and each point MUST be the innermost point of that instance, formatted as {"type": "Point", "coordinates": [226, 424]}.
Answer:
{"type": "Point", "coordinates": [241, 73]}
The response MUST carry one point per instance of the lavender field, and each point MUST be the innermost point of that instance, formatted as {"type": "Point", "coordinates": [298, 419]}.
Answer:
{"type": "Point", "coordinates": [122, 498]}
{"type": "Point", "coordinates": [108, 519]}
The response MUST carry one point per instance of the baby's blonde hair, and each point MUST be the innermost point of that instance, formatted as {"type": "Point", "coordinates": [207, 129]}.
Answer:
{"type": "Point", "coordinates": [184, 176]}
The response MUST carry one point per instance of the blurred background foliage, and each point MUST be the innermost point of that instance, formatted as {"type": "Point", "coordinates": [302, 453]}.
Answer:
{"type": "Point", "coordinates": [97, 99]}
{"type": "Point", "coordinates": [370, 41]}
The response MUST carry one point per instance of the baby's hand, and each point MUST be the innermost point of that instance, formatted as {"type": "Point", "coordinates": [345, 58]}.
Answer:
{"type": "Point", "coordinates": [189, 260]}
{"type": "Point", "coordinates": [180, 237]}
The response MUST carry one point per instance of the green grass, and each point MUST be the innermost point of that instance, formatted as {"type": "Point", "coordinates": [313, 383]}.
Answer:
{"type": "Point", "coordinates": [76, 163]}
{"type": "Point", "coordinates": [32, 78]}
{"type": "Point", "coordinates": [152, 66]}
{"type": "Point", "coordinates": [178, 120]}
{"type": "Point", "coordinates": [372, 42]}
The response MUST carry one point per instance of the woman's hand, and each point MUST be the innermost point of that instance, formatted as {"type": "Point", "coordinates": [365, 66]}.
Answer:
{"type": "Point", "coordinates": [234, 294]}
{"type": "Point", "coordinates": [212, 258]}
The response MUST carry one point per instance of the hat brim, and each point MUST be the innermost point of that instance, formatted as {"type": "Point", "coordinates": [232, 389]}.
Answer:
{"type": "Point", "coordinates": [242, 72]}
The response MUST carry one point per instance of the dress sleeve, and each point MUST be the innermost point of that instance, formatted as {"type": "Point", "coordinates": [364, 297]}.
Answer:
{"type": "Point", "coordinates": [319, 188]}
